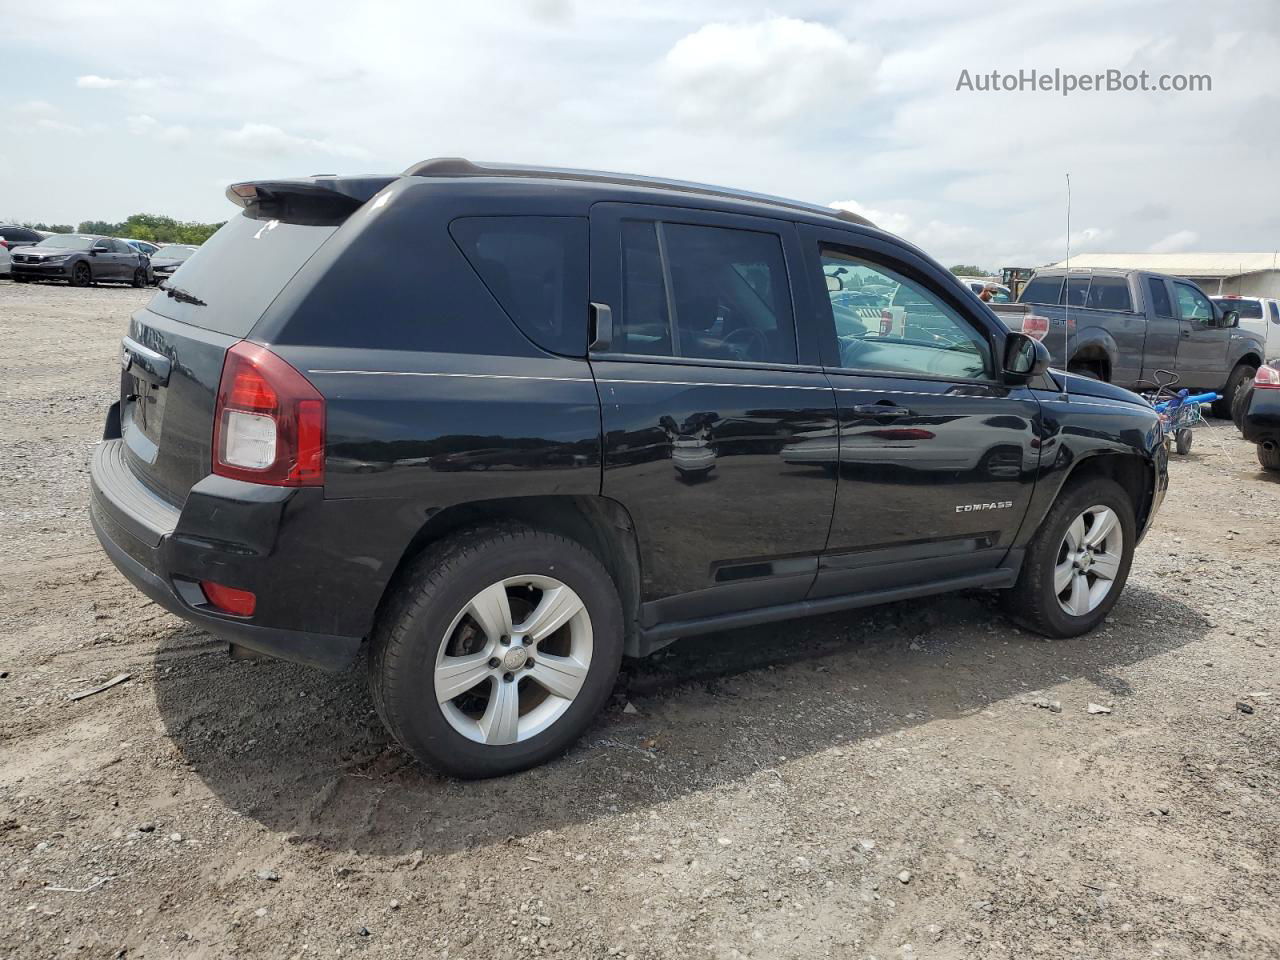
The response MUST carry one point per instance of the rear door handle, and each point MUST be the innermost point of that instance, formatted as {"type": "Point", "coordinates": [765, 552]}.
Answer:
{"type": "Point", "coordinates": [144, 362]}
{"type": "Point", "coordinates": [602, 328]}
{"type": "Point", "coordinates": [880, 410]}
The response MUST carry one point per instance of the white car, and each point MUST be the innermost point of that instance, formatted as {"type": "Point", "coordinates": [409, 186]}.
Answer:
{"type": "Point", "coordinates": [5, 261]}
{"type": "Point", "coordinates": [1260, 315]}
{"type": "Point", "coordinates": [1000, 294]}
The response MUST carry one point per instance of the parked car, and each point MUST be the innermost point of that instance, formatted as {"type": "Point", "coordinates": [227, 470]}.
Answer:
{"type": "Point", "coordinates": [5, 262]}
{"type": "Point", "coordinates": [1261, 421]}
{"type": "Point", "coordinates": [80, 259]}
{"type": "Point", "coordinates": [168, 258]}
{"type": "Point", "coordinates": [1260, 315]}
{"type": "Point", "coordinates": [13, 236]}
{"type": "Point", "coordinates": [142, 246]}
{"type": "Point", "coordinates": [1122, 326]}
{"type": "Point", "coordinates": [288, 465]}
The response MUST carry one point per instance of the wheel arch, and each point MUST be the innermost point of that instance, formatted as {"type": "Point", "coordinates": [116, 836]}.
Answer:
{"type": "Point", "coordinates": [1136, 474]}
{"type": "Point", "coordinates": [600, 524]}
{"type": "Point", "coordinates": [1095, 346]}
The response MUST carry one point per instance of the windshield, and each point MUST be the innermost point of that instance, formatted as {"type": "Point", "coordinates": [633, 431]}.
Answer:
{"type": "Point", "coordinates": [1248, 309]}
{"type": "Point", "coordinates": [173, 252]}
{"type": "Point", "coordinates": [67, 241]}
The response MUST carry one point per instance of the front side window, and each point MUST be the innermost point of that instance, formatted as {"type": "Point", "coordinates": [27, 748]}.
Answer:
{"type": "Point", "coordinates": [710, 293]}
{"type": "Point", "coordinates": [1192, 304]}
{"type": "Point", "coordinates": [536, 268]}
{"type": "Point", "coordinates": [888, 323]}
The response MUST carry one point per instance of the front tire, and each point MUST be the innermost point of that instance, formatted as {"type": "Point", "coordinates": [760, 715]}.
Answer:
{"type": "Point", "coordinates": [1243, 373]}
{"type": "Point", "coordinates": [1078, 561]}
{"type": "Point", "coordinates": [139, 278]}
{"type": "Point", "coordinates": [500, 646]}
{"type": "Point", "coordinates": [81, 275]}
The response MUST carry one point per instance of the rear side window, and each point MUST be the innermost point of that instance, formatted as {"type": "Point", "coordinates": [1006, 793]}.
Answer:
{"type": "Point", "coordinates": [536, 268]}
{"type": "Point", "coordinates": [1275, 312]}
{"type": "Point", "coordinates": [1077, 292]}
{"type": "Point", "coordinates": [713, 293]}
{"type": "Point", "coordinates": [1110, 293]}
{"type": "Point", "coordinates": [238, 271]}
{"type": "Point", "coordinates": [1042, 290]}
{"type": "Point", "coordinates": [1160, 302]}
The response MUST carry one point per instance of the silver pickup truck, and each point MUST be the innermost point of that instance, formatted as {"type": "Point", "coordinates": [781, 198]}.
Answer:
{"type": "Point", "coordinates": [1122, 326]}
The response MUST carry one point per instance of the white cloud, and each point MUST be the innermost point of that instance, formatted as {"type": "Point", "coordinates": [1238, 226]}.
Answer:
{"type": "Point", "coordinates": [145, 125]}
{"type": "Point", "coordinates": [892, 222]}
{"type": "Point", "coordinates": [263, 138]}
{"type": "Point", "coordinates": [58, 126]}
{"type": "Point", "coordinates": [1175, 242]}
{"type": "Point", "coordinates": [34, 108]}
{"type": "Point", "coordinates": [777, 72]}
{"type": "Point", "coordinates": [92, 81]}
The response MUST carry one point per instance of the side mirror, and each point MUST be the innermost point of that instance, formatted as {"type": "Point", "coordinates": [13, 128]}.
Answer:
{"type": "Point", "coordinates": [1231, 318]}
{"type": "Point", "coordinates": [834, 284]}
{"type": "Point", "coordinates": [1025, 358]}
{"type": "Point", "coordinates": [97, 250]}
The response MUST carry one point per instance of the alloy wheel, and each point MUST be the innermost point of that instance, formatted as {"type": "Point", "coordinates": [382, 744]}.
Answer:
{"type": "Point", "coordinates": [1089, 560]}
{"type": "Point", "coordinates": [513, 660]}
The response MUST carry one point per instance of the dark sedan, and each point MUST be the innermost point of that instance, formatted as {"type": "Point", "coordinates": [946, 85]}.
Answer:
{"type": "Point", "coordinates": [168, 259]}
{"type": "Point", "coordinates": [80, 259]}
{"type": "Point", "coordinates": [1262, 416]}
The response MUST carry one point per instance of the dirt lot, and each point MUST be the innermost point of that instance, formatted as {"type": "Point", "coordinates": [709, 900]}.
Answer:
{"type": "Point", "coordinates": [877, 784]}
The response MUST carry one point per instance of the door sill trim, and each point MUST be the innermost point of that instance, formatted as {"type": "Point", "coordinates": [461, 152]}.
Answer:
{"type": "Point", "coordinates": [655, 637]}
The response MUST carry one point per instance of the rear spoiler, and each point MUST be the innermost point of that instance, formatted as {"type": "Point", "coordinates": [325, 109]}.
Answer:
{"type": "Point", "coordinates": [314, 200]}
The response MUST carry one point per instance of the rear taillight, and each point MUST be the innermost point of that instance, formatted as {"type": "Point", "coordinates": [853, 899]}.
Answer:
{"type": "Point", "coordinates": [1267, 378]}
{"type": "Point", "coordinates": [886, 323]}
{"type": "Point", "coordinates": [1035, 326]}
{"type": "Point", "coordinates": [268, 424]}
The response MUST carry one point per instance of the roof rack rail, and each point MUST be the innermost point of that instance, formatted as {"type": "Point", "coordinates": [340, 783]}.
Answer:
{"type": "Point", "coordinates": [461, 167]}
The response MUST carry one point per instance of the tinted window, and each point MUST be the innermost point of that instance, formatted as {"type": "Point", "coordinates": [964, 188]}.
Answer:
{"type": "Point", "coordinates": [886, 322]}
{"type": "Point", "coordinates": [728, 290]}
{"type": "Point", "coordinates": [1192, 304]}
{"type": "Point", "coordinates": [645, 328]}
{"type": "Point", "coordinates": [1248, 309]}
{"type": "Point", "coordinates": [536, 268]}
{"type": "Point", "coordinates": [1077, 292]}
{"type": "Point", "coordinates": [1159, 297]}
{"type": "Point", "coordinates": [1109, 293]}
{"type": "Point", "coordinates": [239, 271]}
{"type": "Point", "coordinates": [1275, 312]}
{"type": "Point", "coordinates": [1042, 290]}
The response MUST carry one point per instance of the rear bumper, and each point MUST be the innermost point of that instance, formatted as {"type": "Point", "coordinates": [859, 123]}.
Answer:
{"type": "Point", "coordinates": [232, 533]}
{"type": "Point", "coordinates": [1262, 420]}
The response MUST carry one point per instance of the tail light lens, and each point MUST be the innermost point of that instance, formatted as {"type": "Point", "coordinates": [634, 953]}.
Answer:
{"type": "Point", "coordinates": [886, 323]}
{"type": "Point", "coordinates": [1268, 378]}
{"type": "Point", "coordinates": [1035, 326]}
{"type": "Point", "coordinates": [268, 424]}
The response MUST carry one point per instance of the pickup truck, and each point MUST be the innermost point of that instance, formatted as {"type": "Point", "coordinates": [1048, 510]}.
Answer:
{"type": "Point", "coordinates": [1121, 326]}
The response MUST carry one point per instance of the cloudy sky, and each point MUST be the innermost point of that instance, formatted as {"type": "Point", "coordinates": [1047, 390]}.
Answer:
{"type": "Point", "coordinates": [112, 109]}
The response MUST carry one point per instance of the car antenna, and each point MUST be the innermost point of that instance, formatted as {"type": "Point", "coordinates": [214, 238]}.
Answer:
{"type": "Point", "coordinates": [1066, 300]}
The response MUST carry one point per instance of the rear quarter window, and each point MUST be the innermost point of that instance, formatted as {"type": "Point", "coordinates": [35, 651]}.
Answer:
{"type": "Point", "coordinates": [536, 268]}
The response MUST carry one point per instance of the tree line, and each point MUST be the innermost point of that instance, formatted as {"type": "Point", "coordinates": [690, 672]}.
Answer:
{"type": "Point", "coordinates": [140, 226]}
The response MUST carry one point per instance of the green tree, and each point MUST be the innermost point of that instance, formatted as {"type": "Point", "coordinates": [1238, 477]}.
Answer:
{"type": "Point", "coordinates": [152, 227]}
{"type": "Point", "coordinates": [968, 270]}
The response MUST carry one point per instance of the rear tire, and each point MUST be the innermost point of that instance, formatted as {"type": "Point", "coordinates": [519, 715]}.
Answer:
{"type": "Point", "coordinates": [1242, 373]}
{"type": "Point", "coordinates": [1269, 459]}
{"type": "Point", "coordinates": [1240, 405]}
{"type": "Point", "coordinates": [1061, 591]}
{"type": "Point", "coordinates": [446, 626]}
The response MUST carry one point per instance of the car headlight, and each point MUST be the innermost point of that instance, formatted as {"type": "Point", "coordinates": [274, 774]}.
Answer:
{"type": "Point", "coordinates": [56, 259]}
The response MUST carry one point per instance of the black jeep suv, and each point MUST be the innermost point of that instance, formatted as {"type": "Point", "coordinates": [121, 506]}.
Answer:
{"type": "Point", "coordinates": [509, 424]}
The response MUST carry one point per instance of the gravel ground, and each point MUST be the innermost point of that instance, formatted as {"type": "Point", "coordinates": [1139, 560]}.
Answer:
{"type": "Point", "coordinates": [920, 780]}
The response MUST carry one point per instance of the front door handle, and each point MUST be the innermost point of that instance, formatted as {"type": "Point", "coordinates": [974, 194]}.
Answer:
{"type": "Point", "coordinates": [880, 410]}
{"type": "Point", "coordinates": [602, 328]}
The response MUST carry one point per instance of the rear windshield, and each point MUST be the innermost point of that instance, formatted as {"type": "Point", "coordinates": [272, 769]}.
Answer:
{"type": "Point", "coordinates": [1042, 290]}
{"type": "Point", "coordinates": [237, 272]}
{"type": "Point", "coordinates": [1248, 309]}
